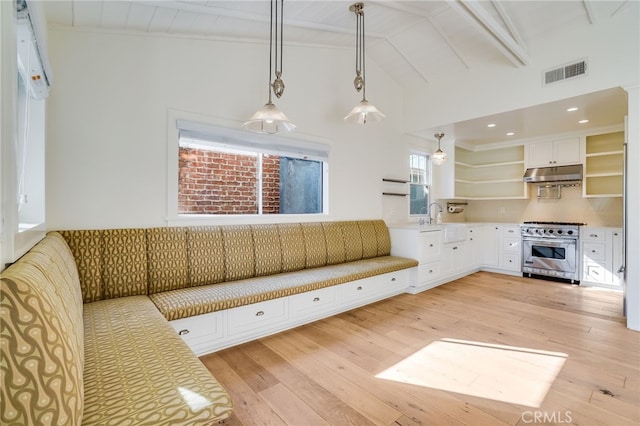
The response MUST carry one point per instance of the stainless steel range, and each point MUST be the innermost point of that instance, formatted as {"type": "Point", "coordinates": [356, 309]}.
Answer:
{"type": "Point", "coordinates": [551, 249]}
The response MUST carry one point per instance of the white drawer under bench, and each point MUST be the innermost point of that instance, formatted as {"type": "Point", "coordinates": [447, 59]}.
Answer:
{"type": "Point", "coordinates": [211, 332]}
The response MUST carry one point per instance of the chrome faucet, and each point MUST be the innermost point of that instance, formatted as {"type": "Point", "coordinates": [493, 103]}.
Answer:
{"type": "Point", "coordinates": [429, 210]}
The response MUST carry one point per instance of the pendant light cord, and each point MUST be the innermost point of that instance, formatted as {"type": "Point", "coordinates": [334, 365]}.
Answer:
{"type": "Point", "coordinates": [270, 49]}
{"type": "Point", "coordinates": [364, 84]}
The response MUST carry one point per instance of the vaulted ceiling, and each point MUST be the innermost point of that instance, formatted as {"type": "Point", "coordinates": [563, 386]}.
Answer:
{"type": "Point", "coordinates": [412, 41]}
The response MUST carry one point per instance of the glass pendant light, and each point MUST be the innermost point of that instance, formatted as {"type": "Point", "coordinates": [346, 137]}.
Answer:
{"type": "Point", "coordinates": [439, 156]}
{"type": "Point", "coordinates": [269, 119]}
{"type": "Point", "coordinates": [364, 111]}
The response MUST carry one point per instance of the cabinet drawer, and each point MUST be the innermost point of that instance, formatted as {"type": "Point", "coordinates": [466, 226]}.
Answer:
{"type": "Point", "coordinates": [257, 315]}
{"type": "Point", "coordinates": [511, 262]}
{"type": "Point", "coordinates": [202, 333]}
{"type": "Point", "coordinates": [430, 245]}
{"type": "Point", "coordinates": [511, 231]}
{"type": "Point", "coordinates": [312, 301]}
{"type": "Point", "coordinates": [593, 235]}
{"type": "Point", "coordinates": [594, 251]}
{"type": "Point", "coordinates": [360, 289]}
{"type": "Point", "coordinates": [511, 245]}
{"type": "Point", "coordinates": [428, 272]}
{"type": "Point", "coordinates": [595, 272]}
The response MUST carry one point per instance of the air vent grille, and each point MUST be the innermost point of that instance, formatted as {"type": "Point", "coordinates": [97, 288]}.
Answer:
{"type": "Point", "coordinates": [566, 71]}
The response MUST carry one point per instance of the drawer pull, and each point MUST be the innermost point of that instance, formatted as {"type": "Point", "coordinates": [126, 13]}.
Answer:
{"type": "Point", "coordinates": [430, 271]}
{"type": "Point", "coordinates": [593, 251]}
{"type": "Point", "coordinates": [593, 235]}
{"type": "Point", "coordinates": [259, 313]}
{"type": "Point", "coordinates": [430, 245]}
{"type": "Point", "coordinates": [455, 248]}
{"type": "Point", "coordinates": [393, 279]}
{"type": "Point", "coordinates": [511, 231]}
{"type": "Point", "coordinates": [316, 299]}
{"type": "Point", "coordinates": [183, 332]}
{"type": "Point", "coordinates": [359, 287]}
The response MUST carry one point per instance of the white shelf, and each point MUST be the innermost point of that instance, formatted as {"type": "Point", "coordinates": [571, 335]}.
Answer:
{"type": "Point", "coordinates": [480, 182]}
{"type": "Point", "coordinates": [600, 154]}
{"type": "Point", "coordinates": [589, 175]}
{"type": "Point", "coordinates": [479, 166]}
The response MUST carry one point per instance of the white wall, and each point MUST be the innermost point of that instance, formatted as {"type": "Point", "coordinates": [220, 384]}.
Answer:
{"type": "Point", "coordinates": [611, 47]}
{"type": "Point", "coordinates": [107, 127]}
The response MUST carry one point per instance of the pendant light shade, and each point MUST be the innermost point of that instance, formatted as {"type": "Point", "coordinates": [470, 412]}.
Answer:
{"type": "Point", "coordinates": [364, 111]}
{"type": "Point", "coordinates": [269, 119]}
{"type": "Point", "coordinates": [439, 156]}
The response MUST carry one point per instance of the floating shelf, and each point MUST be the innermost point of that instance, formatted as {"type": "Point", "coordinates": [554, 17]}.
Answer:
{"type": "Point", "coordinates": [394, 180]}
{"type": "Point", "coordinates": [397, 194]}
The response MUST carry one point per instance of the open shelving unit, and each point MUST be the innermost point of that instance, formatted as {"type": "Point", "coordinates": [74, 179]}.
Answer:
{"type": "Point", "coordinates": [490, 174]}
{"type": "Point", "coordinates": [604, 165]}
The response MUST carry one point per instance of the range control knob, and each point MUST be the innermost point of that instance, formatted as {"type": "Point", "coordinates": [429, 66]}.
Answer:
{"type": "Point", "coordinates": [550, 231]}
{"type": "Point", "coordinates": [570, 232]}
{"type": "Point", "coordinates": [559, 231]}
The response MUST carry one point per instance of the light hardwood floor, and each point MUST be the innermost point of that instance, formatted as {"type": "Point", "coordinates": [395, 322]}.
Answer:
{"type": "Point", "coordinates": [487, 349]}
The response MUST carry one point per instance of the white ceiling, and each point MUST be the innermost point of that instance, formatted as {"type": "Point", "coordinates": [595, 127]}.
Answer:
{"type": "Point", "coordinates": [412, 41]}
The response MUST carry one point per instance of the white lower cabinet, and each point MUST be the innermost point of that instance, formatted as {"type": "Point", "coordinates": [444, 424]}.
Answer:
{"type": "Point", "coordinates": [601, 252]}
{"type": "Point", "coordinates": [218, 330]}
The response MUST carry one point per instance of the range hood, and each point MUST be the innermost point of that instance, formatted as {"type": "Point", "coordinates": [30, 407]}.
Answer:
{"type": "Point", "coordinates": [570, 173]}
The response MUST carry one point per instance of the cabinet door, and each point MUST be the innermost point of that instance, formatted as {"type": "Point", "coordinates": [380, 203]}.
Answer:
{"type": "Point", "coordinates": [566, 151]}
{"type": "Point", "coordinates": [554, 153]}
{"type": "Point", "coordinates": [492, 246]}
{"type": "Point", "coordinates": [541, 154]}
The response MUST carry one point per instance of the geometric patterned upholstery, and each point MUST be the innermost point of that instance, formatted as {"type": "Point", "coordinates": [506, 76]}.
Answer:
{"type": "Point", "coordinates": [124, 266]}
{"type": "Point", "coordinates": [383, 237]}
{"type": "Point", "coordinates": [335, 242]}
{"type": "Point", "coordinates": [205, 251]}
{"type": "Point", "coordinates": [167, 259]}
{"type": "Point", "coordinates": [315, 244]}
{"type": "Point", "coordinates": [86, 246]}
{"type": "Point", "coordinates": [239, 255]}
{"type": "Point", "coordinates": [268, 249]}
{"type": "Point", "coordinates": [191, 301]}
{"type": "Point", "coordinates": [133, 351]}
{"type": "Point", "coordinates": [352, 241]}
{"type": "Point", "coordinates": [41, 342]}
{"type": "Point", "coordinates": [292, 243]}
{"type": "Point", "coordinates": [369, 240]}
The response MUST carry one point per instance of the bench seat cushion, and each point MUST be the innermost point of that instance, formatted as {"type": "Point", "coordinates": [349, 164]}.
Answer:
{"type": "Point", "coordinates": [139, 371]}
{"type": "Point", "coordinates": [192, 301]}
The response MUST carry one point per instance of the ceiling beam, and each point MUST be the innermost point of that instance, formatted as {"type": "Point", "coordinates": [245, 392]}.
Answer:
{"type": "Point", "coordinates": [492, 31]}
{"type": "Point", "coordinates": [255, 17]}
{"type": "Point", "coordinates": [508, 22]}
{"type": "Point", "coordinates": [593, 18]}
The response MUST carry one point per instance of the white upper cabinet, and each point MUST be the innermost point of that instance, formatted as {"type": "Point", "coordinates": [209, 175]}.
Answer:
{"type": "Point", "coordinates": [558, 152]}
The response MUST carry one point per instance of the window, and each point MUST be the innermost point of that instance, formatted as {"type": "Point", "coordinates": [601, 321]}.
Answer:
{"type": "Point", "coordinates": [419, 184]}
{"type": "Point", "coordinates": [232, 172]}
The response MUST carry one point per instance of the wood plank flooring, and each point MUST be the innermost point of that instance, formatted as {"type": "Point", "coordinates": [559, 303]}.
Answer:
{"type": "Point", "coordinates": [488, 349]}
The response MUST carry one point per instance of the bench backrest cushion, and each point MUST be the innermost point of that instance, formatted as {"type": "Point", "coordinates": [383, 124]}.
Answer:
{"type": "Point", "coordinates": [315, 245]}
{"type": "Point", "coordinates": [293, 247]}
{"type": "Point", "coordinates": [168, 266]}
{"type": "Point", "coordinates": [268, 249]}
{"type": "Point", "coordinates": [383, 237]}
{"type": "Point", "coordinates": [238, 252]}
{"type": "Point", "coordinates": [42, 346]}
{"type": "Point", "coordinates": [87, 249]}
{"type": "Point", "coordinates": [124, 263]}
{"type": "Point", "coordinates": [205, 249]}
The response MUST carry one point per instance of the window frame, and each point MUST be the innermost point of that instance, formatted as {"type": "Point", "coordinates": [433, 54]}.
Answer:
{"type": "Point", "coordinates": [227, 134]}
{"type": "Point", "coordinates": [428, 182]}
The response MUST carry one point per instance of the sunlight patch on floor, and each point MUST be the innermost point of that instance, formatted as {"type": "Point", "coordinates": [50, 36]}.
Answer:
{"type": "Point", "coordinates": [504, 373]}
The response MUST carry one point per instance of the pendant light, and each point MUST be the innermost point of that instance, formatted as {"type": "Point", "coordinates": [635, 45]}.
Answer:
{"type": "Point", "coordinates": [439, 156]}
{"type": "Point", "coordinates": [364, 111]}
{"type": "Point", "coordinates": [269, 119]}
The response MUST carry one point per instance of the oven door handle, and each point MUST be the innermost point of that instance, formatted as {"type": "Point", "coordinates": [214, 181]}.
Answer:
{"type": "Point", "coordinates": [549, 242]}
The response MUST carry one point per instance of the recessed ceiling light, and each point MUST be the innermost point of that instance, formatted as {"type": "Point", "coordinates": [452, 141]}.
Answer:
{"type": "Point", "coordinates": [491, 125]}
{"type": "Point", "coordinates": [572, 109]}
{"type": "Point", "coordinates": [510, 134]}
{"type": "Point", "coordinates": [583, 121]}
